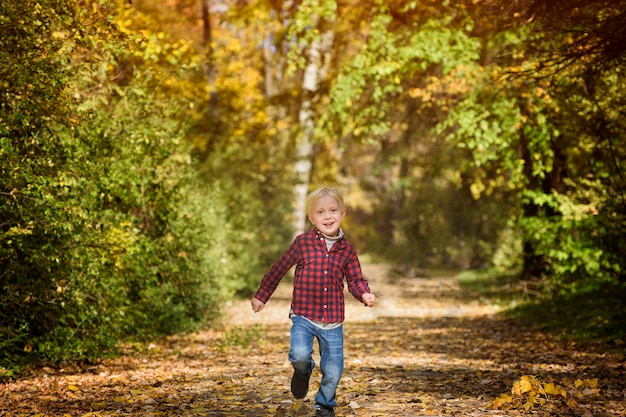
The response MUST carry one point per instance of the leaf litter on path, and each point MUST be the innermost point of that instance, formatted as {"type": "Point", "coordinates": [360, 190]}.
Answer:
{"type": "Point", "coordinates": [425, 350]}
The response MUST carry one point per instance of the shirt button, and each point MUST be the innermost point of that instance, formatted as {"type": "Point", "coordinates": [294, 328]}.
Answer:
{"type": "Point", "coordinates": [325, 272]}
{"type": "Point", "coordinates": [327, 255]}
{"type": "Point", "coordinates": [325, 306]}
{"type": "Point", "coordinates": [325, 289]}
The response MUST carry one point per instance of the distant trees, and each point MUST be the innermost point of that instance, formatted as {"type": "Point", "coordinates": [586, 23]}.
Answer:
{"type": "Point", "coordinates": [493, 127]}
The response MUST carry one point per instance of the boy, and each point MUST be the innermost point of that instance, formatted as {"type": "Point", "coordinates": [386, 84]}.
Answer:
{"type": "Point", "coordinates": [323, 258]}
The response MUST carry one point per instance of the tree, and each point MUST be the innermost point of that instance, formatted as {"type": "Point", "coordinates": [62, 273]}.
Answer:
{"type": "Point", "coordinates": [510, 106]}
{"type": "Point", "coordinates": [415, 61]}
{"type": "Point", "coordinates": [315, 18]}
{"type": "Point", "coordinates": [574, 51]}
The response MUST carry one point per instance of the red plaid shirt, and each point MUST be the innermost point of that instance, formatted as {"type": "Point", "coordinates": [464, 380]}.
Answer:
{"type": "Point", "coordinates": [318, 280]}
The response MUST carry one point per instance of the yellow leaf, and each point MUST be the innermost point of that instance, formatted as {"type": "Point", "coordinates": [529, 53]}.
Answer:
{"type": "Point", "coordinates": [578, 383]}
{"type": "Point", "coordinates": [73, 388]}
{"type": "Point", "coordinates": [591, 383]}
{"type": "Point", "coordinates": [516, 390]}
{"type": "Point", "coordinates": [533, 398]}
{"type": "Point", "coordinates": [501, 400]}
{"type": "Point", "coordinates": [549, 388]}
{"type": "Point", "coordinates": [552, 389]}
{"type": "Point", "coordinates": [526, 385]}
{"type": "Point", "coordinates": [522, 386]}
{"type": "Point", "coordinates": [497, 403]}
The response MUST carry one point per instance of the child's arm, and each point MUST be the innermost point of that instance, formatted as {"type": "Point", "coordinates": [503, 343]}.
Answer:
{"type": "Point", "coordinates": [273, 276]}
{"type": "Point", "coordinates": [357, 285]}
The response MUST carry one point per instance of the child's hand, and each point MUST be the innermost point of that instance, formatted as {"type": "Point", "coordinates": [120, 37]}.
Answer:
{"type": "Point", "coordinates": [257, 305]}
{"type": "Point", "coordinates": [369, 299]}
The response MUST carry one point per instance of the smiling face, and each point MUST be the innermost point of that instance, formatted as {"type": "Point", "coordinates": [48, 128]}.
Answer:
{"type": "Point", "coordinates": [326, 214]}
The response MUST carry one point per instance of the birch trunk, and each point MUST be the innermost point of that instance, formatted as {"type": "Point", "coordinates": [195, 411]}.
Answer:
{"type": "Point", "coordinates": [316, 69]}
{"type": "Point", "coordinates": [207, 38]}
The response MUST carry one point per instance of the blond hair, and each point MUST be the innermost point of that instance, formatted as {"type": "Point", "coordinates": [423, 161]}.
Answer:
{"type": "Point", "coordinates": [323, 192]}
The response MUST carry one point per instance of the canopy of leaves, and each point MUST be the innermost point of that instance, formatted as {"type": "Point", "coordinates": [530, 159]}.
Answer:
{"type": "Point", "coordinates": [527, 107]}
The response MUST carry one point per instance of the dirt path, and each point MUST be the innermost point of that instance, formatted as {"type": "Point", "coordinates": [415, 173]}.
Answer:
{"type": "Point", "coordinates": [425, 350]}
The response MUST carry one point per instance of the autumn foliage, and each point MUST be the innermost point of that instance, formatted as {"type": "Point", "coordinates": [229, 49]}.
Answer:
{"type": "Point", "coordinates": [528, 393]}
{"type": "Point", "coordinates": [152, 153]}
{"type": "Point", "coordinates": [104, 229]}
{"type": "Point", "coordinates": [425, 350]}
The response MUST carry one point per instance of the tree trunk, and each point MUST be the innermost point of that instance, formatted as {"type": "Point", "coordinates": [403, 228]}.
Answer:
{"type": "Point", "coordinates": [319, 60]}
{"type": "Point", "coordinates": [534, 264]}
{"type": "Point", "coordinates": [207, 38]}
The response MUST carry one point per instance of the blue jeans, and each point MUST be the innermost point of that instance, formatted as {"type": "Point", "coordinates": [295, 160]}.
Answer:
{"type": "Point", "coordinates": [331, 356]}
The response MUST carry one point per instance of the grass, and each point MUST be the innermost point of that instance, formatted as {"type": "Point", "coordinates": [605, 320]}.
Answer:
{"type": "Point", "coordinates": [503, 288]}
{"type": "Point", "coordinates": [597, 316]}
{"type": "Point", "coordinates": [588, 316]}
{"type": "Point", "coordinates": [241, 337]}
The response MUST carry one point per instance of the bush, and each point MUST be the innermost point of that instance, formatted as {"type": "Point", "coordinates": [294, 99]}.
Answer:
{"type": "Point", "coordinates": [106, 233]}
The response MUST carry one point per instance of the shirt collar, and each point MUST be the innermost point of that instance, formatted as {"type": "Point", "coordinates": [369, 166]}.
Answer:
{"type": "Point", "coordinates": [335, 238]}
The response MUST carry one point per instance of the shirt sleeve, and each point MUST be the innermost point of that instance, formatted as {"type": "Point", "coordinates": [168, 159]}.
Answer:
{"type": "Point", "coordinates": [357, 285]}
{"type": "Point", "coordinates": [272, 278]}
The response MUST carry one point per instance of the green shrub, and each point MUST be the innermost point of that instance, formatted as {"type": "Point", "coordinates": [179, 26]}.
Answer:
{"type": "Point", "coordinates": [106, 233]}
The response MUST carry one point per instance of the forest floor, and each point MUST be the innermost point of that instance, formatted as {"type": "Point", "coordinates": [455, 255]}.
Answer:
{"type": "Point", "coordinates": [426, 349]}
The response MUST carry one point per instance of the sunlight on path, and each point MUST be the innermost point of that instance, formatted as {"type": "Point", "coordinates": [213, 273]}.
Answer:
{"type": "Point", "coordinates": [388, 347]}
{"type": "Point", "coordinates": [405, 297]}
{"type": "Point", "coordinates": [425, 350]}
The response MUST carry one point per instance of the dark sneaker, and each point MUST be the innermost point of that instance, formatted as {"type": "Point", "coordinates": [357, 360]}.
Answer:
{"type": "Point", "coordinates": [323, 411]}
{"type": "Point", "coordinates": [300, 384]}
